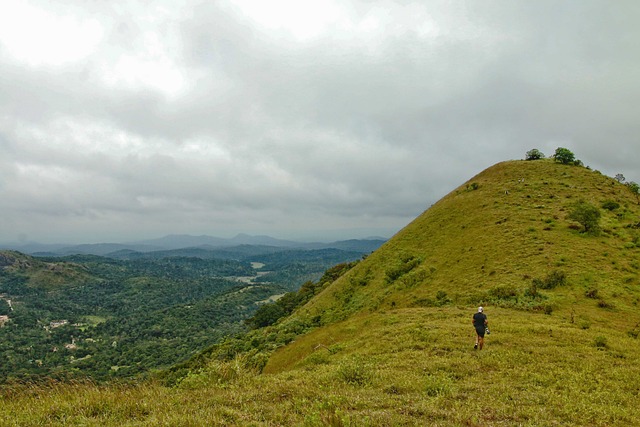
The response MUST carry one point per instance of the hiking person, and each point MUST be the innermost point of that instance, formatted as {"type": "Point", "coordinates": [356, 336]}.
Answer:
{"type": "Point", "coordinates": [480, 323]}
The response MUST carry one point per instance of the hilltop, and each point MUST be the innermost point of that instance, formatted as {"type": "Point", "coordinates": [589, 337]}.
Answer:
{"type": "Point", "coordinates": [486, 240]}
{"type": "Point", "coordinates": [388, 341]}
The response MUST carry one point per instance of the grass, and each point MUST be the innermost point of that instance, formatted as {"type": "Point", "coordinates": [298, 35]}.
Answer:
{"type": "Point", "coordinates": [401, 367]}
{"type": "Point", "coordinates": [395, 342]}
{"type": "Point", "coordinates": [474, 240]}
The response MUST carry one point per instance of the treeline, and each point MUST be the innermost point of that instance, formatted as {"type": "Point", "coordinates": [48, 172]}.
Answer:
{"type": "Point", "coordinates": [268, 314]}
{"type": "Point", "coordinates": [291, 268]}
{"type": "Point", "coordinates": [104, 318]}
{"type": "Point", "coordinates": [254, 345]}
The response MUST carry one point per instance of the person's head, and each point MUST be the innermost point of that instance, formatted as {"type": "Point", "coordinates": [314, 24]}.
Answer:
{"type": "Point", "coordinates": [480, 309]}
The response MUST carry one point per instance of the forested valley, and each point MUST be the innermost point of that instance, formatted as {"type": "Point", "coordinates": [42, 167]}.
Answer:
{"type": "Point", "coordinates": [127, 314]}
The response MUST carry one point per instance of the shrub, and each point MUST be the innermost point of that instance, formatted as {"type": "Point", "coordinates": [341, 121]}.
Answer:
{"type": "Point", "coordinates": [600, 342]}
{"type": "Point", "coordinates": [442, 298]}
{"type": "Point", "coordinates": [413, 278]}
{"type": "Point", "coordinates": [473, 186]}
{"type": "Point", "coordinates": [532, 291]}
{"type": "Point", "coordinates": [610, 205]}
{"type": "Point", "coordinates": [587, 215]}
{"type": "Point", "coordinates": [591, 293]}
{"type": "Point", "coordinates": [604, 304]}
{"type": "Point", "coordinates": [402, 267]}
{"type": "Point", "coordinates": [534, 154]}
{"type": "Point", "coordinates": [635, 189]}
{"type": "Point", "coordinates": [503, 292]}
{"type": "Point", "coordinates": [355, 372]}
{"type": "Point", "coordinates": [553, 280]}
{"type": "Point", "coordinates": [362, 279]}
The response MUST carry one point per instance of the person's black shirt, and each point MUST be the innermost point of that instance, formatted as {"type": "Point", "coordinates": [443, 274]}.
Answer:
{"type": "Point", "coordinates": [479, 319]}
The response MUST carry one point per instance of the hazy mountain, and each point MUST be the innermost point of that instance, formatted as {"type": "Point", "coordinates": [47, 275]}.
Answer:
{"type": "Point", "coordinates": [182, 241]}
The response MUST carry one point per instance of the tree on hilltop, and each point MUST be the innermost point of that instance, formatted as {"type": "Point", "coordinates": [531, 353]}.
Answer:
{"type": "Point", "coordinates": [564, 156]}
{"type": "Point", "coordinates": [534, 154]}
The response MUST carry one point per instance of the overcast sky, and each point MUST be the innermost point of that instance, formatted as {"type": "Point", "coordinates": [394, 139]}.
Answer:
{"type": "Point", "coordinates": [123, 120]}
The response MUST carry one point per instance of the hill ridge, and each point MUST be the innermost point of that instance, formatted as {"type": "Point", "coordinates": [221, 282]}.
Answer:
{"type": "Point", "coordinates": [488, 240]}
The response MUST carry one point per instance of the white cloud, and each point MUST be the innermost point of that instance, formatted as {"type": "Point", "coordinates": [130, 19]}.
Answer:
{"type": "Point", "coordinates": [40, 37]}
{"type": "Point", "coordinates": [302, 20]}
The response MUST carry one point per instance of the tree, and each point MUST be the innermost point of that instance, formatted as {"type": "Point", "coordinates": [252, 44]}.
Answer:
{"type": "Point", "coordinates": [564, 156]}
{"type": "Point", "coordinates": [587, 215]}
{"type": "Point", "coordinates": [534, 154]}
{"type": "Point", "coordinates": [5, 309]}
{"type": "Point", "coordinates": [266, 315]}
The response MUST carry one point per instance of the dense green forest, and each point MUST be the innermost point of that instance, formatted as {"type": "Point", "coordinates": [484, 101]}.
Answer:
{"type": "Point", "coordinates": [129, 313]}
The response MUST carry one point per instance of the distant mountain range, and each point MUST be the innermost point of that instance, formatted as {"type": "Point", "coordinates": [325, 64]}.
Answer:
{"type": "Point", "coordinates": [183, 241]}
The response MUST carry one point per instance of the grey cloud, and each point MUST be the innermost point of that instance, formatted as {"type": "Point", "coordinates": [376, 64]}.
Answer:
{"type": "Point", "coordinates": [354, 125]}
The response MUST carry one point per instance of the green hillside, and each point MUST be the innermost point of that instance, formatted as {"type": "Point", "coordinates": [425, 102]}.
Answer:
{"type": "Point", "coordinates": [475, 245]}
{"type": "Point", "coordinates": [390, 341]}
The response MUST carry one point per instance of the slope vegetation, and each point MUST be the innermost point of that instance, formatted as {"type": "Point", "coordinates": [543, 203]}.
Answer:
{"type": "Point", "coordinates": [488, 239]}
{"type": "Point", "coordinates": [390, 341]}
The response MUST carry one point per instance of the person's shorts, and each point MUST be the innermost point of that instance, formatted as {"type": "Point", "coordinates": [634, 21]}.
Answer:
{"type": "Point", "coordinates": [480, 331]}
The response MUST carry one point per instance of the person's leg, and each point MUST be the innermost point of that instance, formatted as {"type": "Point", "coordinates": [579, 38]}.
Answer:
{"type": "Point", "coordinates": [479, 338]}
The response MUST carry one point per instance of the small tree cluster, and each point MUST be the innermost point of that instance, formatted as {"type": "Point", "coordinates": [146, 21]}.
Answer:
{"type": "Point", "coordinates": [635, 189]}
{"type": "Point", "coordinates": [633, 186]}
{"type": "Point", "coordinates": [561, 155]}
{"type": "Point", "coordinates": [564, 156]}
{"type": "Point", "coordinates": [5, 309]}
{"type": "Point", "coordinates": [534, 154]}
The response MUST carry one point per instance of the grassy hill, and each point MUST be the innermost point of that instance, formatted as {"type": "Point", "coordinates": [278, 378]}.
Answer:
{"type": "Point", "coordinates": [479, 244]}
{"type": "Point", "coordinates": [390, 342]}
{"type": "Point", "coordinates": [42, 274]}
